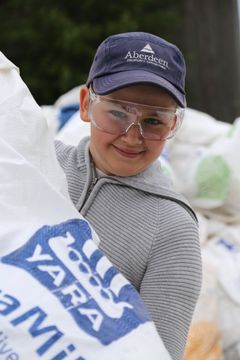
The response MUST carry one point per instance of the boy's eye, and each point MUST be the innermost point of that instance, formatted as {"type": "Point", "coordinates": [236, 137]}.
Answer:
{"type": "Point", "coordinates": [118, 114]}
{"type": "Point", "coordinates": [152, 122]}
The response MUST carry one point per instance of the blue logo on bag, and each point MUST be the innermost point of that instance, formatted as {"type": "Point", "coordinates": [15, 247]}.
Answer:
{"type": "Point", "coordinates": [65, 260]}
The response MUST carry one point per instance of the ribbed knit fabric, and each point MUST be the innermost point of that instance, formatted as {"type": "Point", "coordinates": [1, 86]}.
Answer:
{"type": "Point", "coordinates": [148, 232]}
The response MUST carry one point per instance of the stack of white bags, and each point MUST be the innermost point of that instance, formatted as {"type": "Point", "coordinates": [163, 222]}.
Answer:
{"type": "Point", "coordinates": [204, 157]}
{"type": "Point", "coordinates": [60, 297]}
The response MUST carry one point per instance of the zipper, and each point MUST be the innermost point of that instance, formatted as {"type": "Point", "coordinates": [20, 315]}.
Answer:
{"type": "Point", "coordinates": [93, 183]}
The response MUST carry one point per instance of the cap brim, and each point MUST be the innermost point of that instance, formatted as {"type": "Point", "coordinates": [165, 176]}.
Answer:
{"type": "Point", "coordinates": [112, 82]}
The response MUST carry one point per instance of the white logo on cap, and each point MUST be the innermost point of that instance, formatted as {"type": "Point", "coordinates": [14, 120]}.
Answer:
{"type": "Point", "coordinates": [148, 58]}
{"type": "Point", "coordinates": [148, 49]}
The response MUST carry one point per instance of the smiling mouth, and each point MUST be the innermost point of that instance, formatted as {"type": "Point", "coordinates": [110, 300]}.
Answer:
{"type": "Point", "coordinates": [127, 152]}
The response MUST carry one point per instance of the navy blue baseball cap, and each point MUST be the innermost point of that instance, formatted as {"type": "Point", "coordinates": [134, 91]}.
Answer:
{"type": "Point", "coordinates": [138, 58]}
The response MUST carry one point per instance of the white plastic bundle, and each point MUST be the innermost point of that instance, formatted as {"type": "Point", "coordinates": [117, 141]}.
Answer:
{"type": "Point", "coordinates": [204, 156]}
{"type": "Point", "coordinates": [60, 297]}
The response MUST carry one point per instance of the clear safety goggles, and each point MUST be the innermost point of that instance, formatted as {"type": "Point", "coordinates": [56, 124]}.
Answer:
{"type": "Point", "coordinates": [117, 117]}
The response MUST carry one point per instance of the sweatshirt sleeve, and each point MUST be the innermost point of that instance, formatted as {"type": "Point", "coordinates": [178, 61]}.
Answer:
{"type": "Point", "coordinates": [172, 281]}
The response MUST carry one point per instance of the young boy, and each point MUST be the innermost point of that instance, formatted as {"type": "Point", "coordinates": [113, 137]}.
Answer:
{"type": "Point", "coordinates": [134, 99]}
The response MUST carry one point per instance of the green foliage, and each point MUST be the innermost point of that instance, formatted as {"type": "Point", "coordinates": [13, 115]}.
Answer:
{"type": "Point", "coordinates": [53, 41]}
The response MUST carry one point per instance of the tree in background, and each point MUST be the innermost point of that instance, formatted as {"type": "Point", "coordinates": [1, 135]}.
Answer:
{"type": "Point", "coordinates": [211, 40]}
{"type": "Point", "coordinates": [53, 41]}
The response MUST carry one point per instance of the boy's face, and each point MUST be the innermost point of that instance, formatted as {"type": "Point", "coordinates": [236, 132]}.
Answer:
{"type": "Point", "coordinates": [127, 154]}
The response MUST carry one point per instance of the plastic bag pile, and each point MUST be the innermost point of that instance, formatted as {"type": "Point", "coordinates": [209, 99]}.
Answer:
{"type": "Point", "coordinates": [203, 163]}
{"type": "Point", "coordinates": [205, 159]}
{"type": "Point", "coordinates": [60, 297]}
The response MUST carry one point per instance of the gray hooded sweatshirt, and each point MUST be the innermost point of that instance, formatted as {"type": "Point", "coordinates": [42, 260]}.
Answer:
{"type": "Point", "coordinates": [148, 231]}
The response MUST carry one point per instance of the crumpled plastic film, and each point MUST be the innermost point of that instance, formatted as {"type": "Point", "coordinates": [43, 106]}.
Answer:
{"type": "Point", "coordinates": [60, 297]}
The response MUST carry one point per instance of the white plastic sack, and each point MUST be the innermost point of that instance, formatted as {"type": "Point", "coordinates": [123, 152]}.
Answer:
{"type": "Point", "coordinates": [220, 296]}
{"type": "Point", "coordinates": [60, 297]}
{"type": "Point", "coordinates": [74, 130]}
{"type": "Point", "coordinates": [207, 166]}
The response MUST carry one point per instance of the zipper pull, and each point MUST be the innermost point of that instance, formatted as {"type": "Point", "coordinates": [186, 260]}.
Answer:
{"type": "Point", "coordinates": [93, 183]}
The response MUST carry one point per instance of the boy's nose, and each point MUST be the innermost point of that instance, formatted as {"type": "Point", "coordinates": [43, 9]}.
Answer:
{"type": "Point", "coordinates": [133, 134]}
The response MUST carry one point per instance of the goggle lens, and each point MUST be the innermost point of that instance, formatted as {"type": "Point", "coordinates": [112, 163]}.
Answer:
{"type": "Point", "coordinates": [117, 117]}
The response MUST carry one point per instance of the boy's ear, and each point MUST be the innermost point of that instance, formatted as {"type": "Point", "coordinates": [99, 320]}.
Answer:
{"type": "Point", "coordinates": [84, 103]}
